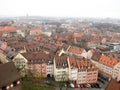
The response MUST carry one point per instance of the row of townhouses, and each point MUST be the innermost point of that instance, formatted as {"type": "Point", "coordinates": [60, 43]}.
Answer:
{"type": "Point", "coordinates": [47, 64]}
{"type": "Point", "coordinates": [110, 66]}
{"type": "Point", "coordinates": [62, 68]}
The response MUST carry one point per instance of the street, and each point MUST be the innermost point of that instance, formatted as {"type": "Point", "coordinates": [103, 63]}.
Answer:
{"type": "Point", "coordinates": [57, 88]}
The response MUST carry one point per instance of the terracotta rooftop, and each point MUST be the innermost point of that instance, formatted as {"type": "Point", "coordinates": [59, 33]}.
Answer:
{"type": "Point", "coordinates": [51, 48]}
{"type": "Point", "coordinates": [60, 44]}
{"type": "Point", "coordinates": [72, 61]}
{"type": "Point", "coordinates": [30, 46]}
{"type": "Point", "coordinates": [18, 45]}
{"type": "Point", "coordinates": [75, 35]}
{"type": "Point", "coordinates": [36, 30]}
{"type": "Point", "coordinates": [84, 64]}
{"type": "Point", "coordinates": [115, 55]}
{"type": "Point", "coordinates": [24, 45]}
{"type": "Point", "coordinates": [61, 38]}
{"type": "Point", "coordinates": [108, 61]}
{"type": "Point", "coordinates": [75, 50]}
{"type": "Point", "coordinates": [94, 34]}
{"type": "Point", "coordinates": [7, 28]}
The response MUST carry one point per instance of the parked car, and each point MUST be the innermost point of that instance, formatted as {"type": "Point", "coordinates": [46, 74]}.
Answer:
{"type": "Point", "coordinates": [92, 86]}
{"type": "Point", "coordinates": [72, 85]}
{"type": "Point", "coordinates": [76, 85]}
{"type": "Point", "coordinates": [84, 86]}
{"type": "Point", "coordinates": [81, 85]}
{"type": "Point", "coordinates": [88, 85]}
{"type": "Point", "coordinates": [98, 85]}
{"type": "Point", "coordinates": [101, 81]}
{"type": "Point", "coordinates": [95, 85]}
{"type": "Point", "coordinates": [103, 77]}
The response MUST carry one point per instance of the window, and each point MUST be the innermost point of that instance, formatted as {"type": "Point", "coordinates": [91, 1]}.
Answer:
{"type": "Point", "coordinates": [83, 76]}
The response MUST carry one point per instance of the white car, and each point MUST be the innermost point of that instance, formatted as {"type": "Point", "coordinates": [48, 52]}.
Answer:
{"type": "Point", "coordinates": [72, 85]}
{"type": "Point", "coordinates": [88, 85]}
{"type": "Point", "coordinates": [78, 86]}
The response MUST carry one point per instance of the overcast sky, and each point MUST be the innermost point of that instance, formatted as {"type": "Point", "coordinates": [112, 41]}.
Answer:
{"type": "Point", "coordinates": [74, 8]}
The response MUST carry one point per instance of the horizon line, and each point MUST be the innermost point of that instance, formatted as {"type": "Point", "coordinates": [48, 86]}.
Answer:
{"type": "Point", "coordinates": [27, 15]}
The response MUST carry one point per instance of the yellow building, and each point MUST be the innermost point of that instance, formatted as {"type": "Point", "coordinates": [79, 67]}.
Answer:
{"type": "Point", "coordinates": [21, 63]}
{"type": "Point", "coordinates": [61, 70]}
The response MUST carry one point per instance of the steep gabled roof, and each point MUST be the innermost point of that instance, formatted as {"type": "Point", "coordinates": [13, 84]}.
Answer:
{"type": "Point", "coordinates": [72, 61]}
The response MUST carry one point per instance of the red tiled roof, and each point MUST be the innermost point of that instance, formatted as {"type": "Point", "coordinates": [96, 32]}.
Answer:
{"type": "Point", "coordinates": [113, 55]}
{"type": "Point", "coordinates": [21, 45]}
{"type": "Point", "coordinates": [108, 61]}
{"type": "Point", "coordinates": [60, 38]}
{"type": "Point", "coordinates": [84, 64]}
{"type": "Point", "coordinates": [75, 35]}
{"type": "Point", "coordinates": [7, 28]}
{"type": "Point", "coordinates": [59, 44]}
{"type": "Point", "coordinates": [76, 50]}
{"type": "Point", "coordinates": [72, 61]}
{"type": "Point", "coordinates": [94, 34]}
{"type": "Point", "coordinates": [30, 46]}
{"type": "Point", "coordinates": [113, 39]}
{"type": "Point", "coordinates": [36, 30]}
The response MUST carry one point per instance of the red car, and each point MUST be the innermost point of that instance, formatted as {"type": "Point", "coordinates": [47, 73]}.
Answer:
{"type": "Point", "coordinates": [81, 85]}
{"type": "Point", "coordinates": [76, 85]}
